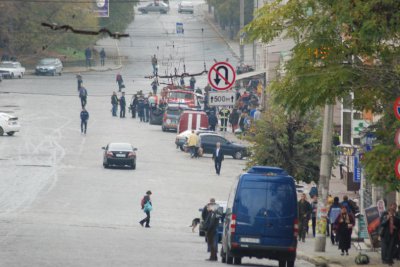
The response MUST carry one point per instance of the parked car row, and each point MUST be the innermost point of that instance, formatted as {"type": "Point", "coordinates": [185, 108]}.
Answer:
{"type": "Point", "coordinates": [46, 66]}
{"type": "Point", "coordinates": [162, 7]}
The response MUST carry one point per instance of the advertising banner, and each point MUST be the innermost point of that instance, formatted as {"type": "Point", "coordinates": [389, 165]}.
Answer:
{"type": "Point", "coordinates": [102, 8]}
{"type": "Point", "coordinates": [373, 222]}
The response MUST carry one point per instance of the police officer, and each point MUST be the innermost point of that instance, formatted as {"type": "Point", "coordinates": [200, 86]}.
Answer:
{"type": "Point", "coordinates": [224, 116]}
{"type": "Point", "coordinates": [122, 104]}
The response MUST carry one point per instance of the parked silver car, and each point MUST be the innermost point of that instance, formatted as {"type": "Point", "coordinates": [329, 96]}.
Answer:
{"type": "Point", "coordinates": [50, 66]}
{"type": "Point", "coordinates": [159, 7]}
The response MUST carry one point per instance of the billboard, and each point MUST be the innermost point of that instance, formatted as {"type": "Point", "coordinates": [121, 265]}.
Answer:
{"type": "Point", "coordinates": [102, 8]}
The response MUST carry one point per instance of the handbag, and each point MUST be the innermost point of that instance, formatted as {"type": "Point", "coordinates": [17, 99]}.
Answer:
{"type": "Point", "coordinates": [147, 207]}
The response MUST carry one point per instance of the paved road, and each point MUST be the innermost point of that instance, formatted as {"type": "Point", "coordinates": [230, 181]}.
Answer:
{"type": "Point", "coordinates": [60, 207]}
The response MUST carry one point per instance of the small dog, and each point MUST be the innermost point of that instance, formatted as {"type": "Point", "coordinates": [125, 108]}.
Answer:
{"type": "Point", "coordinates": [195, 222]}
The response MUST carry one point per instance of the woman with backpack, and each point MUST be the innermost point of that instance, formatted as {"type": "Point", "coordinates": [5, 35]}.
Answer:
{"type": "Point", "coordinates": [146, 207]}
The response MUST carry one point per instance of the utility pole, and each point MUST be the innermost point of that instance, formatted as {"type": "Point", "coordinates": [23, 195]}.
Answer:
{"type": "Point", "coordinates": [324, 177]}
{"type": "Point", "coordinates": [241, 12]}
{"type": "Point", "coordinates": [255, 42]}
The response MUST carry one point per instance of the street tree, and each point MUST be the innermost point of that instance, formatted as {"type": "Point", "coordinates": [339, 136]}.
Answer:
{"type": "Point", "coordinates": [341, 47]}
{"type": "Point", "coordinates": [290, 140]}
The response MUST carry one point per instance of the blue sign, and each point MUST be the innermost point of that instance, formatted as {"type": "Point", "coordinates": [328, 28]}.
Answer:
{"type": "Point", "coordinates": [357, 170]}
{"type": "Point", "coordinates": [179, 28]}
{"type": "Point", "coordinates": [102, 8]}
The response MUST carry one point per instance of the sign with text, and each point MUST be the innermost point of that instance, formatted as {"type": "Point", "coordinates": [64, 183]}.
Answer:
{"type": "Point", "coordinates": [373, 222]}
{"type": "Point", "coordinates": [221, 99]}
{"type": "Point", "coordinates": [102, 8]}
{"type": "Point", "coordinates": [221, 76]}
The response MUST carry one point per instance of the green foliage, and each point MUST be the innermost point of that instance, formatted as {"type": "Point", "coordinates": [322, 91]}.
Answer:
{"type": "Point", "coordinates": [24, 35]}
{"type": "Point", "coordinates": [121, 14]}
{"type": "Point", "coordinates": [341, 46]}
{"type": "Point", "coordinates": [290, 141]}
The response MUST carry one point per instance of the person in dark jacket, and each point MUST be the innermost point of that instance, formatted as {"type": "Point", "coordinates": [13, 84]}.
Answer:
{"type": "Point", "coordinates": [346, 203]}
{"type": "Point", "coordinates": [211, 226]}
{"type": "Point", "coordinates": [333, 213]}
{"type": "Point", "coordinates": [192, 82]}
{"type": "Point", "coordinates": [389, 225]}
{"type": "Point", "coordinates": [218, 157]}
{"type": "Point", "coordinates": [146, 106]}
{"type": "Point", "coordinates": [314, 207]}
{"type": "Point", "coordinates": [120, 82]}
{"type": "Point", "coordinates": [122, 105]}
{"type": "Point", "coordinates": [212, 120]}
{"type": "Point", "coordinates": [102, 56]}
{"type": "Point", "coordinates": [114, 103]}
{"type": "Point", "coordinates": [84, 119]}
{"type": "Point", "coordinates": [83, 96]}
{"type": "Point", "coordinates": [134, 103]}
{"type": "Point", "coordinates": [146, 201]}
{"type": "Point", "coordinates": [88, 56]}
{"type": "Point", "coordinates": [234, 119]}
{"type": "Point", "coordinates": [304, 216]}
{"type": "Point", "coordinates": [141, 108]}
{"type": "Point", "coordinates": [343, 227]}
{"type": "Point", "coordinates": [79, 80]}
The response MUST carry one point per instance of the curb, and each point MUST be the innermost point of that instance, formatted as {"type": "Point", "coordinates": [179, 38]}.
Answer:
{"type": "Point", "coordinates": [235, 55]}
{"type": "Point", "coordinates": [82, 69]}
{"type": "Point", "coordinates": [317, 261]}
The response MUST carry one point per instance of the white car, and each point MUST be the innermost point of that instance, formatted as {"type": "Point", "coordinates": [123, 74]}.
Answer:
{"type": "Point", "coordinates": [8, 124]}
{"type": "Point", "coordinates": [181, 138]}
{"type": "Point", "coordinates": [185, 6]}
{"type": "Point", "coordinates": [11, 69]}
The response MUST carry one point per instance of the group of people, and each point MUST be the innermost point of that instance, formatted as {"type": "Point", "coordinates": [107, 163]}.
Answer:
{"type": "Point", "coordinates": [89, 58]}
{"type": "Point", "coordinates": [84, 115]}
{"type": "Point", "coordinates": [340, 219]}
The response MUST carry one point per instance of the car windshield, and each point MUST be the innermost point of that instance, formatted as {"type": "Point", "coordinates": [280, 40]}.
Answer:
{"type": "Point", "coordinates": [7, 65]}
{"type": "Point", "coordinates": [120, 146]}
{"type": "Point", "coordinates": [174, 112]}
{"type": "Point", "coordinates": [47, 61]}
{"type": "Point", "coordinates": [181, 95]}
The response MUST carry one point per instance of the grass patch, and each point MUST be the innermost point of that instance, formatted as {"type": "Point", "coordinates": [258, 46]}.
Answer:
{"type": "Point", "coordinates": [71, 53]}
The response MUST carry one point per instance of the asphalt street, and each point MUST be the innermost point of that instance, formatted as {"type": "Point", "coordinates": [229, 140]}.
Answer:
{"type": "Point", "coordinates": [60, 207]}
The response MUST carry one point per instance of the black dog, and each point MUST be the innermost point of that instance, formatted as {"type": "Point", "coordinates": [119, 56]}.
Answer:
{"type": "Point", "coordinates": [195, 222]}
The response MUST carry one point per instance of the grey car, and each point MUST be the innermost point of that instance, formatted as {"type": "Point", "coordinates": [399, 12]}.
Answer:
{"type": "Point", "coordinates": [50, 66]}
{"type": "Point", "coordinates": [158, 7]}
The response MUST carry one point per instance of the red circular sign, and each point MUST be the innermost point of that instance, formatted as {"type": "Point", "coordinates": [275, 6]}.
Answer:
{"type": "Point", "coordinates": [396, 108]}
{"type": "Point", "coordinates": [397, 168]}
{"type": "Point", "coordinates": [221, 76]}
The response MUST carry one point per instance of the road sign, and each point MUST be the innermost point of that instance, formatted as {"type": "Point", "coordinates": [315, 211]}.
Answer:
{"type": "Point", "coordinates": [221, 99]}
{"type": "Point", "coordinates": [102, 8]}
{"type": "Point", "coordinates": [396, 108]}
{"type": "Point", "coordinates": [357, 170]}
{"type": "Point", "coordinates": [397, 168]}
{"type": "Point", "coordinates": [222, 76]}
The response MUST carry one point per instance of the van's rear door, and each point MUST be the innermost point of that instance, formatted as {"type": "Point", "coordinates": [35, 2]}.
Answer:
{"type": "Point", "coordinates": [266, 210]}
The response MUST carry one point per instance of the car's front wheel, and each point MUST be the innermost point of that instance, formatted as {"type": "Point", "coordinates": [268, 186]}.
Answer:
{"type": "Point", "coordinates": [1, 131]}
{"type": "Point", "coordinates": [10, 133]}
{"type": "Point", "coordinates": [238, 155]}
{"type": "Point", "coordinates": [105, 165]}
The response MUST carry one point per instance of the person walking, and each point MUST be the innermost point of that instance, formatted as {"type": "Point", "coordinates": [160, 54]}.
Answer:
{"type": "Point", "coordinates": [224, 116]}
{"type": "Point", "coordinates": [134, 103]}
{"type": "Point", "coordinates": [122, 105]}
{"type": "Point", "coordinates": [79, 80]}
{"type": "Point", "coordinates": [211, 226]}
{"type": "Point", "coordinates": [346, 203]}
{"type": "Point", "coordinates": [192, 142]}
{"type": "Point", "coordinates": [333, 213]}
{"type": "Point", "coordinates": [83, 96]}
{"type": "Point", "coordinates": [120, 82]}
{"type": "Point", "coordinates": [182, 81]}
{"type": "Point", "coordinates": [141, 108]}
{"type": "Point", "coordinates": [147, 207]}
{"type": "Point", "coordinates": [234, 119]}
{"type": "Point", "coordinates": [154, 86]}
{"type": "Point", "coordinates": [84, 119]}
{"type": "Point", "coordinates": [192, 82]}
{"type": "Point", "coordinates": [304, 216]}
{"type": "Point", "coordinates": [314, 206]}
{"type": "Point", "coordinates": [154, 64]}
{"type": "Point", "coordinates": [343, 227]}
{"type": "Point", "coordinates": [114, 103]}
{"type": "Point", "coordinates": [88, 56]}
{"type": "Point", "coordinates": [218, 157]}
{"type": "Point", "coordinates": [389, 230]}
{"type": "Point", "coordinates": [102, 56]}
{"type": "Point", "coordinates": [146, 106]}
{"type": "Point", "coordinates": [212, 121]}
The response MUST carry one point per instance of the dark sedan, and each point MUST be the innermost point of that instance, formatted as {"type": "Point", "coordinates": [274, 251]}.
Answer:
{"type": "Point", "coordinates": [208, 143]}
{"type": "Point", "coordinates": [119, 154]}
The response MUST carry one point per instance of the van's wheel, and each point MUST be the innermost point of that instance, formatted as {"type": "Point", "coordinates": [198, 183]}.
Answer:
{"type": "Point", "coordinates": [163, 129]}
{"type": "Point", "coordinates": [10, 133]}
{"type": "Point", "coordinates": [290, 264]}
{"type": "Point", "coordinates": [223, 259]}
{"type": "Point", "coordinates": [238, 155]}
{"type": "Point", "coordinates": [282, 263]}
{"type": "Point", "coordinates": [237, 260]}
{"type": "Point", "coordinates": [105, 165]}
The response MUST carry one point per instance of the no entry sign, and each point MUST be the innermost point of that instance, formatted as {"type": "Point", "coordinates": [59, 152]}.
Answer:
{"type": "Point", "coordinates": [221, 76]}
{"type": "Point", "coordinates": [396, 108]}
